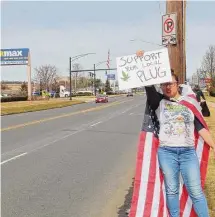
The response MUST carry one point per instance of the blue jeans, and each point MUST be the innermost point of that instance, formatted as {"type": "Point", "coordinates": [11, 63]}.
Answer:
{"type": "Point", "coordinates": [176, 160]}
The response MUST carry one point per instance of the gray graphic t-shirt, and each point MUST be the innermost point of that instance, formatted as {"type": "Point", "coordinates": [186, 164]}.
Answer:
{"type": "Point", "coordinates": [176, 124]}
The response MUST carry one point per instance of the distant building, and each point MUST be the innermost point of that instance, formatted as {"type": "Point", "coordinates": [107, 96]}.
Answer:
{"type": "Point", "coordinates": [195, 79]}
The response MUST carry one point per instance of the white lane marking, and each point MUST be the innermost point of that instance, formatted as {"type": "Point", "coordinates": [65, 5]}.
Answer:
{"type": "Point", "coordinates": [13, 158]}
{"type": "Point", "coordinates": [95, 124]}
{"type": "Point", "coordinates": [79, 129]}
{"type": "Point", "coordinates": [68, 135]}
{"type": "Point", "coordinates": [115, 114]}
{"type": "Point", "coordinates": [56, 140]}
{"type": "Point", "coordinates": [136, 114]}
{"type": "Point", "coordinates": [130, 108]}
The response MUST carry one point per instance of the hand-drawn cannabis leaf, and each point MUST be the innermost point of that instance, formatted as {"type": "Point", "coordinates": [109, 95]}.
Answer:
{"type": "Point", "coordinates": [125, 76]}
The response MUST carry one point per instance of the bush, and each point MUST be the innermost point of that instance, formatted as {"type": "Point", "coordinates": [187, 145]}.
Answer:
{"type": "Point", "coordinates": [110, 93]}
{"type": "Point", "coordinates": [14, 98]}
{"type": "Point", "coordinates": [83, 94]}
{"type": "Point", "coordinates": [212, 91]}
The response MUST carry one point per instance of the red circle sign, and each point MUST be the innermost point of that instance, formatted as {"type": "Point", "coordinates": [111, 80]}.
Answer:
{"type": "Point", "coordinates": [168, 25]}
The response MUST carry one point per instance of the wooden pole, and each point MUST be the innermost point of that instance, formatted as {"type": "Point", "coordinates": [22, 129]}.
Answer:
{"type": "Point", "coordinates": [177, 52]}
{"type": "Point", "coordinates": [184, 40]}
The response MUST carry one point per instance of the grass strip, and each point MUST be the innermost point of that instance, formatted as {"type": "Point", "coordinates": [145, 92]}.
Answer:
{"type": "Point", "coordinates": [17, 107]}
{"type": "Point", "coordinates": [210, 180]}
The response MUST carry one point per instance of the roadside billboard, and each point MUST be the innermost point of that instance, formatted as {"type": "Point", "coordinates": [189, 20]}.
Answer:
{"type": "Point", "coordinates": [16, 56]}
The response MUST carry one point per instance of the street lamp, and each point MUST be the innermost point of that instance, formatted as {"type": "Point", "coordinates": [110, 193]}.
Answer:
{"type": "Point", "coordinates": [72, 59]}
{"type": "Point", "coordinates": [80, 56]}
{"type": "Point", "coordinates": [148, 42]}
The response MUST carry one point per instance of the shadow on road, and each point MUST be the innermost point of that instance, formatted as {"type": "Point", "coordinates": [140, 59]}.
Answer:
{"type": "Point", "coordinates": [122, 212]}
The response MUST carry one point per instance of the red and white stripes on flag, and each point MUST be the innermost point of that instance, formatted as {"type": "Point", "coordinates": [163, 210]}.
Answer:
{"type": "Point", "coordinates": [149, 199]}
{"type": "Point", "coordinates": [108, 59]}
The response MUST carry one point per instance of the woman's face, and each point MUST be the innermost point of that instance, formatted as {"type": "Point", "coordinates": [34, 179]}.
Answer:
{"type": "Point", "coordinates": [170, 89]}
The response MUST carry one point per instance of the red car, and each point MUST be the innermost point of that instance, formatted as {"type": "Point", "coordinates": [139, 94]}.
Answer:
{"type": "Point", "coordinates": [101, 98]}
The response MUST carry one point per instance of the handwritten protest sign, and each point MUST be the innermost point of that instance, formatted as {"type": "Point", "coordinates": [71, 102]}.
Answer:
{"type": "Point", "coordinates": [152, 68]}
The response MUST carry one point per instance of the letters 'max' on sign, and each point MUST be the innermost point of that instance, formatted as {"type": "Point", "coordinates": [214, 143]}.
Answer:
{"type": "Point", "coordinates": [152, 68]}
{"type": "Point", "coordinates": [17, 56]}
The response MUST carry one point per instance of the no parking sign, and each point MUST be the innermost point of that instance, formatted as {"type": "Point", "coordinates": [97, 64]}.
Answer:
{"type": "Point", "coordinates": [169, 29]}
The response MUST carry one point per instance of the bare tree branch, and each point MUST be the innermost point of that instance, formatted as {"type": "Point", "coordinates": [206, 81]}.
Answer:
{"type": "Point", "coordinates": [46, 75]}
{"type": "Point", "coordinates": [208, 64]}
{"type": "Point", "coordinates": [207, 69]}
{"type": "Point", "coordinates": [76, 75]}
{"type": "Point", "coordinates": [4, 86]}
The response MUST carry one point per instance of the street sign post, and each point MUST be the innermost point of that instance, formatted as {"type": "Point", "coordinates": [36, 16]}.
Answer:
{"type": "Point", "coordinates": [169, 29]}
{"type": "Point", "coordinates": [111, 76]}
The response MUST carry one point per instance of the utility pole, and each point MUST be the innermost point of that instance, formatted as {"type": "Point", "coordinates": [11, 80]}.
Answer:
{"type": "Point", "coordinates": [177, 53]}
{"type": "Point", "coordinates": [76, 75]}
{"type": "Point", "coordinates": [70, 78]}
{"type": "Point", "coordinates": [184, 40]}
{"type": "Point", "coordinates": [94, 68]}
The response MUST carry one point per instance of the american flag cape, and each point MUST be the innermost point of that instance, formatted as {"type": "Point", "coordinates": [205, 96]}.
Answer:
{"type": "Point", "coordinates": [149, 199]}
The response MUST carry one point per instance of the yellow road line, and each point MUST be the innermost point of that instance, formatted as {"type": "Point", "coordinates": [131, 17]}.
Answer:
{"type": "Point", "coordinates": [60, 116]}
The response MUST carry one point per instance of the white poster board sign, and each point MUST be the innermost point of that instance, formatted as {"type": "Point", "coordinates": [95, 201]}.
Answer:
{"type": "Point", "coordinates": [152, 68]}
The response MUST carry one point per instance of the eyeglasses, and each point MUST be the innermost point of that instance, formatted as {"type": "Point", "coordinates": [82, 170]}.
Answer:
{"type": "Point", "coordinates": [171, 84]}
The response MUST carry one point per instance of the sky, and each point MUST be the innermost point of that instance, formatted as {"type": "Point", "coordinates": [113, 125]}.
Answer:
{"type": "Point", "coordinates": [57, 30]}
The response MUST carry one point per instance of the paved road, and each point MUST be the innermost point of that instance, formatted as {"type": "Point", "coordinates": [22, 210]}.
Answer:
{"type": "Point", "coordinates": [70, 162]}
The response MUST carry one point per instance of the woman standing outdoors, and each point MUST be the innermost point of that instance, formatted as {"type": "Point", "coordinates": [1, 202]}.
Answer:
{"type": "Point", "coordinates": [176, 152]}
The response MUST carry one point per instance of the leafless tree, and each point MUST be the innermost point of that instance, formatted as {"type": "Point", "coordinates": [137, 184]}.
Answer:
{"type": "Point", "coordinates": [24, 87]}
{"type": "Point", "coordinates": [55, 86]}
{"type": "Point", "coordinates": [46, 76]}
{"type": "Point", "coordinates": [82, 82]}
{"type": "Point", "coordinates": [208, 64]}
{"type": "Point", "coordinates": [76, 75]}
{"type": "Point", "coordinates": [4, 86]}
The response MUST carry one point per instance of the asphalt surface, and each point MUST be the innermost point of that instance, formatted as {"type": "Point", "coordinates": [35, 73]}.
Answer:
{"type": "Point", "coordinates": [76, 161]}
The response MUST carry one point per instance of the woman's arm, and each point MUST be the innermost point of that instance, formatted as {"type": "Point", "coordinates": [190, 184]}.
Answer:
{"type": "Point", "coordinates": [205, 134]}
{"type": "Point", "coordinates": [153, 97]}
